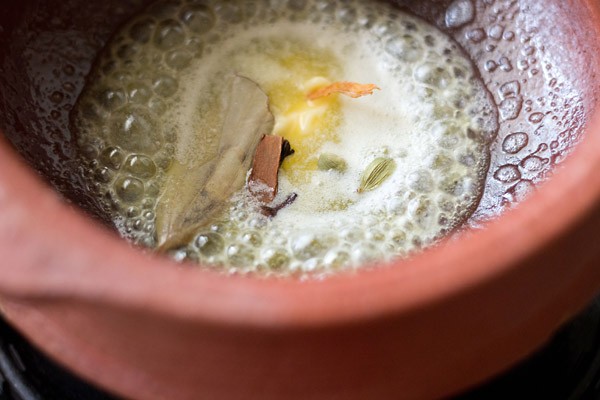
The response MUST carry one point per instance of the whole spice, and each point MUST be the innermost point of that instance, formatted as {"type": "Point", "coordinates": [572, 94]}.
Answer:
{"type": "Point", "coordinates": [329, 162]}
{"type": "Point", "coordinates": [196, 190]}
{"type": "Point", "coordinates": [270, 153]}
{"type": "Point", "coordinates": [272, 211]}
{"type": "Point", "coordinates": [350, 89]}
{"type": "Point", "coordinates": [286, 151]}
{"type": "Point", "coordinates": [376, 173]}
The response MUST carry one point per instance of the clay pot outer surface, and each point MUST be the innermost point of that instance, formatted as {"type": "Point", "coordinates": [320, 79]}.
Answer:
{"type": "Point", "coordinates": [420, 329]}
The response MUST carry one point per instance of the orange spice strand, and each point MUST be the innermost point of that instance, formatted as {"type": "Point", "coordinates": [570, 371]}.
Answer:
{"type": "Point", "coordinates": [351, 89]}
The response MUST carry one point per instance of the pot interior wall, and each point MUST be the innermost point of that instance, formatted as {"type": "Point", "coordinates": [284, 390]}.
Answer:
{"type": "Point", "coordinates": [538, 59]}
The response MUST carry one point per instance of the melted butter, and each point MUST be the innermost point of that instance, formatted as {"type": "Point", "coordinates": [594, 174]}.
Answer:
{"type": "Point", "coordinates": [307, 125]}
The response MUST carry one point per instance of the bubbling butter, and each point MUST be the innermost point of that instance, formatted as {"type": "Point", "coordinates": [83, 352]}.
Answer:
{"type": "Point", "coordinates": [152, 100]}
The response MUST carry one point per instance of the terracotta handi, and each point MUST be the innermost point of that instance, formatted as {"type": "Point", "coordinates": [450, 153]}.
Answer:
{"type": "Point", "coordinates": [433, 325]}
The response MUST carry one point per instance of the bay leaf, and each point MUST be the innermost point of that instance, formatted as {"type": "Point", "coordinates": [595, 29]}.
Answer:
{"type": "Point", "coordinates": [195, 193]}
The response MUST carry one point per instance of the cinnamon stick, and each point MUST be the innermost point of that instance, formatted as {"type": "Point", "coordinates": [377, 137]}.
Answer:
{"type": "Point", "coordinates": [263, 182]}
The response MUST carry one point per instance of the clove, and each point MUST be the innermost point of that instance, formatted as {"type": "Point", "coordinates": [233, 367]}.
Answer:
{"type": "Point", "coordinates": [272, 211]}
{"type": "Point", "coordinates": [286, 151]}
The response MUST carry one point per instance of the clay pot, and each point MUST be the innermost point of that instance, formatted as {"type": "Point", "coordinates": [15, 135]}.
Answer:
{"type": "Point", "coordinates": [427, 327]}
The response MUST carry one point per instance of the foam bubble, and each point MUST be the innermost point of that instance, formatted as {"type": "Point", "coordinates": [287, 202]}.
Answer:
{"type": "Point", "coordinates": [158, 83]}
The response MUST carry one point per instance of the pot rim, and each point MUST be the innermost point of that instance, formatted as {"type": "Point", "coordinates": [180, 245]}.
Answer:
{"type": "Point", "coordinates": [81, 260]}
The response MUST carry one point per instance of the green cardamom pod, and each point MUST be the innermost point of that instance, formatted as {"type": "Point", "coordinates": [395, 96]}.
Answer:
{"type": "Point", "coordinates": [328, 162]}
{"type": "Point", "coordinates": [376, 173]}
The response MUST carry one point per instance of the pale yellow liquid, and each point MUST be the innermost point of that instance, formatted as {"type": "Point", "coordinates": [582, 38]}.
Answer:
{"type": "Point", "coordinates": [433, 117]}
